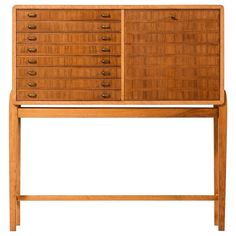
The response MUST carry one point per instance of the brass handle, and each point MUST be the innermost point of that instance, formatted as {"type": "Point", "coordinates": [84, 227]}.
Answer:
{"type": "Point", "coordinates": [32, 38]}
{"type": "Point", "coordinates": [32, 73]}
{"type": "Point", "coordinates": [173, 17]}
{"type": "Point", "coordinates": [106, 73]}
{"type": "Point", "coordinates": [32, 27]}
{"type": "Point", "coordinates": [105, 61]}
{"type": "Point", "coordinates": [32, 95]}
{"type": "Point", "coordinates": [105, 26]}
{"type": "Point", "coordinates": [106, 84]}
{"type": "Point", "coordinates": [106, 95]}
{"type": "Point", "coordinates": [104, 15]}
{"type": "Point", "coordinates": [106, 50]}
{"type": "Point", "coordinates": [106, 38]}
{"type": "Point", "coordinates": [32, 61]}
{"type": "Point", "coordinates": [32, 84]}
{"type": "Point", "coordinates": [31, 14]}
{"type": "Point", "coordinates": [32, 49]}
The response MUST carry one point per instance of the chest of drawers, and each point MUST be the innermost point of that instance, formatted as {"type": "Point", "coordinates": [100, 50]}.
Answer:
{"type": "Point", "coordinates": [118, 55]}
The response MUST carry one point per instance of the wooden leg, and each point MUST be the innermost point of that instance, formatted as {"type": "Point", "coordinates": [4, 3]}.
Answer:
{"type": "Point", "coordinates": [216, 170]}
{"type": "Point", "coordinates": [13, 128]}
{"type": "Point", "coordinates": [18, 171]}
{"type": "Point", "coordinates": [222, 162]}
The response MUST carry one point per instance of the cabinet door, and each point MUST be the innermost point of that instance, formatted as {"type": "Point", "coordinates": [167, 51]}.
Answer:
{"type": "Point", "coordinates": [172, 55]}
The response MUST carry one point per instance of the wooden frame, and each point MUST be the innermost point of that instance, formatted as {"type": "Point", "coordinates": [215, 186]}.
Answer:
{"type": "Point", "coordinates": [122, 102]}
{"type": "Point", "coordinates": [218, 113]}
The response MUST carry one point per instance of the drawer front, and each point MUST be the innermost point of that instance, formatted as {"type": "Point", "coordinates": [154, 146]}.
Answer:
{"type": "Point", "coordinates": [68, 95]}
{"type": "Point", "coordinates": [172, 55]}
{"type": "Point", "coordinates": [68, 61]}
{"type": "Point", "coordinates": [48, 49]}
{"type": "Point", "coordinates": [68, 38]}
{"type": "Point", "coordinates": [67, 72]}
{"type": "Point", "coordinates": [64, 84]}
{"type": "Point", "coordinates": [68, 15]}
{"type": "Point", "coordinates": [64, 27]}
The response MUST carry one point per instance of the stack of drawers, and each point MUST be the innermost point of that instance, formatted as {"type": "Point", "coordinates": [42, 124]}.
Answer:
{"type": "Point", "coordinates": [68, 55]}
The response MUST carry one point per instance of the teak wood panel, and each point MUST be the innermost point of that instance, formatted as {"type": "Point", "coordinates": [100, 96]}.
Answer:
{"type": "Point", "coordinates": [68, 61]}
{"type": "Point", "coordinates": [68, 38]}
{"type": "Point", "coordinates": [67, 72]}
{"type": "Point", "coordinates": [68, 95]}
{"type": "Point", "coordinates": [64, 27]}
{"type": "Point", "coordinates": [48, 49]}
{"type": "Point", "coordinates": [67, 15]}
{"type": "Point", "coordinates": [172, 55]}
{"type": "Point", "coordinates": [23, 84]}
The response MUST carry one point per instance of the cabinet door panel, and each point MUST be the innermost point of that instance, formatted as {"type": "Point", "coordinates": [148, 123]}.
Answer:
{"type": "Point", "coordinates": [172, 55]}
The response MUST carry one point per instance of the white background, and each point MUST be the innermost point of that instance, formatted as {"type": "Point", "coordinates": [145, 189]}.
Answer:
{"type": "Point", "coordinates": [116, 156]}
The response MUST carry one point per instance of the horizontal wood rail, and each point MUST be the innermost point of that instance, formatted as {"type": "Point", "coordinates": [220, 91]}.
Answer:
{"type": "Point", "coordinates": [103, 112]}
{"type": "Point", "coordinates": [117, 197]}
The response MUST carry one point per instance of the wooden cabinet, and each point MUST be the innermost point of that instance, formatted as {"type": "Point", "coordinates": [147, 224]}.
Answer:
{"type": "Point", "coordinates": [155, 55]}
{"type": "Point", "coordinates": [118, 55]}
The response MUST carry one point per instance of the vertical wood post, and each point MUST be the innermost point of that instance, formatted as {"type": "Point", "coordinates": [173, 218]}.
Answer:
{"type": "Point", "coordinates": [222, 162]}
{"type": "Point", "coordinates": [18, 166]}
{"type": "Point", "coordinates": [216, 169]}
{"type": "Point", "coordinates": [13, 128]}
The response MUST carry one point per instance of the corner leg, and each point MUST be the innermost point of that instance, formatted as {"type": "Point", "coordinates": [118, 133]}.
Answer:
{"type": "Point", "coordinates": [13, 127]}
{"type": "Point", "coordinates": [222, 162]}
{"type": "Point", "coordinates": [216, 171]}
{"type": "Point", "coordinates": [18, 166]}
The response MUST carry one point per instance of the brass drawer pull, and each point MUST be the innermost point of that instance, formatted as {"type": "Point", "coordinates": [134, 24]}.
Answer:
{"type": "Point", "coordinates": [32, 27]}
{"type": "Point", "coordinates": [32, 95]}
{"type": "Point", "coordinates": [32, 73]}
{"type": "Point", "coordinates": [106, 73]}
{"type": "Point", "coordinates": [32, 84]}
{"type": "Point", "coordinates": [106, 95]}
{"type": "Point", "coordinates": [104, 15]}
{"type": "Point", "coordinates": [105, 26]}
{"type": "Point", "coordinates": [173, 17]}
{"type": "Point", "coordinates": [106, 38]}
{"type": "Point", "coordinates": [106, 84]}
{"type": "Point", "coordinates": [32, 49]}
{"type": "Point", "coordinates": [32, 61]}
{"type": "Point", "coordinates": [105, 61]}
{"type": "Point", "coordinates": [32, 15]}
{"type": "Point", "coordinates": [32, 38]}
{"type": "Point", "coordinates": [106, 50]}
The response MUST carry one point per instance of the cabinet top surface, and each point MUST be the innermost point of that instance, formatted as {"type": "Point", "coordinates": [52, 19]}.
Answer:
{"type": "Point", "coordinates": [118, 7]}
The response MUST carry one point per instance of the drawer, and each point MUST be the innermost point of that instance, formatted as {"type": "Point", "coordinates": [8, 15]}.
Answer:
{"type": "Point", "coordinates": [68, 95]}
{"type": "Point", "coordinates": [67, 72]}
{"type": "Point", "coordinates": [72, 38]}
{"type": "Point", "coordinates": [57, 15]}
{"type": "Point", "coordinates": [49, 49]}
{"type": "Point", "coordinates": [67, 26]}
{"type": "Point", "coordinates": [68, 61]}
{"type": "Point", "coordinates": [58, 84]}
